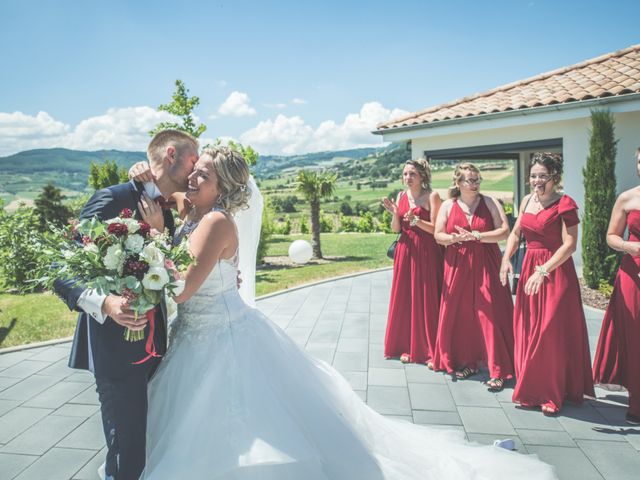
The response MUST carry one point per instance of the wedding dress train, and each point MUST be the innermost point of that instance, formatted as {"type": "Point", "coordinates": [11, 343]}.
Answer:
{"type": "Point", "coordinates": [236, 399]}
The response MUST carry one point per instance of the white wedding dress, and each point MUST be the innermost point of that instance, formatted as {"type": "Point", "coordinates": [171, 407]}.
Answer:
{"type": "Point", "coordinates": [236, 399]}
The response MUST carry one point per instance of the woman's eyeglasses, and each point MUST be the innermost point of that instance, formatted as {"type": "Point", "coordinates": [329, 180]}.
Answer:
{"type": "Point", "coordinates": [472, 181]}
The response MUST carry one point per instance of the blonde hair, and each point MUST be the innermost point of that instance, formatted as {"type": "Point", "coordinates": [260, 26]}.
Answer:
{"type": "Point", "coordinates": [423, 168]}
{"type": "Point", "coordinates": [233, 174]}
{"type": "Point", "coordinates": [181, 141]}
{"type": "Point", "coordinates": [458, 176]}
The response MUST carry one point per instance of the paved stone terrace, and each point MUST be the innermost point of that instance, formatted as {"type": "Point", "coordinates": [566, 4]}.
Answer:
{"type": "Point", "coordinates": [50, 421]}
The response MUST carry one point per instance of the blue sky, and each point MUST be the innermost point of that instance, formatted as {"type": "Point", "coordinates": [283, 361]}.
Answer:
{"type": "Point", "coordinates": [285, 76]}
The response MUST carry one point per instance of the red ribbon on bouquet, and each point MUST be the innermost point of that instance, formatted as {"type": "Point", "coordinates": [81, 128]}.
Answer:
{"type": "Point", "coordinates": [150, 346]}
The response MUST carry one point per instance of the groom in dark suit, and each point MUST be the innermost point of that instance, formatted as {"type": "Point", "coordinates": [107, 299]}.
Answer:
{"type": "Point", "coordinates": [99, 344]}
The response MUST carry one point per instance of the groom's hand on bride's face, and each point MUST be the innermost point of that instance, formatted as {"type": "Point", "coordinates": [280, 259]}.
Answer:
{"type": "Point", "coordinates": [117, 308]}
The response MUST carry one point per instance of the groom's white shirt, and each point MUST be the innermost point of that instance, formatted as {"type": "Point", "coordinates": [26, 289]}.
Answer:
{"type": "Point", "coordinates": [91, 301]}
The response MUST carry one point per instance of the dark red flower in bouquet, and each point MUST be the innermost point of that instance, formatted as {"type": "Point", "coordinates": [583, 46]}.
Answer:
{"type": "Point", "coordinates": [134, 266]}
{"type": "Point", "coordinates": [145, 228]}
{"type": "Point", "coordinates": [126, 213]}
{"type": "Point", "coordinates": [86, 239]}
{"type": "Point", "coordinates": [117, 229]}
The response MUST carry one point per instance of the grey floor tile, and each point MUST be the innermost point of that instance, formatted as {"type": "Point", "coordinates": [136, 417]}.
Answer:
{"type": "Point", "coordinates": [56, 395]}
{"type": "Point", "coordinates": [435, 417]}
{"type": "Point", "coordinates": [325, 334]}
{"type": "Point", "coordinates": [530, 418]}
{"type": "Point", "coordinates": [488, 439]}
{"type": "Point", "coordinates": [354, 330]}
{"type": "Point", "coordinates": [80, 376]}
{"type": "Point", "coordinates": [42, 435]}
{"type": "Point", "coordinates": [614, 461]}
{"type": "Point", "coordinates": [76, 410]}
{"type": "Point", "coordinates": [58, 369]}
{"type": "Point", "coordinates": [299, 335]}
{"type": "Point", "coordinates": [421, 374]}
{"type": "Point", "coordinates": [51, 354]}
{"type": "Point", "coordinates": [25, 368]}
{"type": "Point", "coordinates": [473, 394]}
{"type": "Point", "coordinates": [377, 360]}
{"type": "Point", "coordinates": [485, 420]}
{"type": "Point", "coordinates": [9, 359]}
{"type": "Point", "coordinates": [428, 396]}
{"type": "Point", "coordinates": [11, 464]}
{"type": "Point", "coordinates": [389, 400]}
{"type": "Point", "coordinates": [88, 397]}
{"type": "Point", "coordinates": [545, 437]}
{"type": "Point", "coordinates": [357, 380]}
{"type": "Point", "coordinates": [350, 362]}
{"type": "Point", "coordinates": [585, 423]}
{"type": "Point", "coordinates": [6, 382]}
{"type": "Point", "coordinates": [89, 435]}
{"type": "Point", "coordinates": [387, 377]}
{"type": "Point", "coordinates": [28, 388]}
{"type": "Point", "coordinates": [90, 470]}
{"type": "Point", "coordinates": [7, 405]}
{"type": "Point", "coordinates": [57, 464]}
{"type": "Point", "coordinates": [353, 345]}
{"type": "Point", "coordinates": [321, 351]}
{"type": "Point", "coordinates": [401, 418]}
{"type": "Point", "coordinates": [16, 421]}
{"type": "Point", "coordinates": [570, 463]}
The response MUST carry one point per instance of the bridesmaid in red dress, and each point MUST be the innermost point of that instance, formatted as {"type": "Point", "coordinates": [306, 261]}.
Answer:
{"type": "Point", "coordinates": [476, 311]}
{"type": "Point", "coordinates": [551, 354]}
{"type": "Point", "coordinates": [617, 360]}
{"type": "Point", "coordinates": [417, 269]}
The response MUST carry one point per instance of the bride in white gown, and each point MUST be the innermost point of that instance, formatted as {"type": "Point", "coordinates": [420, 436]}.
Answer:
{"type": "Point", "coordinates": [236, 399]}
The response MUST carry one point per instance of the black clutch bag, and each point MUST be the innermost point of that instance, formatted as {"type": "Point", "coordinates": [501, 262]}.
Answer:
{"type": "Point", "coordinates": [391, 251]}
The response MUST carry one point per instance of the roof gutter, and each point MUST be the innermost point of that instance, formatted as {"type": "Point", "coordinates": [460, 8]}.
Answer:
{"type": "Point", "coordinates": [594, 102]}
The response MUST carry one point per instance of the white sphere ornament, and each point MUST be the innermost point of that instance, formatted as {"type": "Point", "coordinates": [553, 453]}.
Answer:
{"type": "Point", "coordinates": [300, 251]}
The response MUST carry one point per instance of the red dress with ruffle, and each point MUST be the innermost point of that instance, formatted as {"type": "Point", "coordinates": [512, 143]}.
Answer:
{"type": "Point", "coordinates": [476, 311]}
{"type": "Point", "coordinates": [617, 360]}
{"type": "Point", "coordinates": [552, 357]}
{"type": "Point", "coordinates": [412, 323]}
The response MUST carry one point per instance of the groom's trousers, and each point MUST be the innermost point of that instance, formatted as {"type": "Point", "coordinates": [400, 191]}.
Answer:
{"type": "Point", "coordinates": [123, 402]}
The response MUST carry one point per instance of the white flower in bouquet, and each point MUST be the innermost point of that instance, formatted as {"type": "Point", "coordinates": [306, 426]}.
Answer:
{"type": "Point", "coordinates": [91, 248]}
{"type": "Point", "coordinates": [178, 287]}
{"type": "Point", "coordinates": [114, 257]}
{"type": "Point", "coordinates": [155, 279]}
{"type": "Point", "coordinates": [134, 243]}
{"type": "Point", "coordinates": [153, 256]}
{"type": "Point", "coordinates": [132, 224]}
{"type": "Point", "coordinates": [113, 220]}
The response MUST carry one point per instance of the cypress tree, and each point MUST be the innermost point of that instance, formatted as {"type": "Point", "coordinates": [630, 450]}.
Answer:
{"type": "Point", "coordinates": [599, 197]}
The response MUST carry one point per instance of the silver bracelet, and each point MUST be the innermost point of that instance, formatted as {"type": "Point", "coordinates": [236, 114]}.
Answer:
{"type": "Point", "coordinates": [414, 221]}
{"type": "Point", "coordinates": [476, 235]}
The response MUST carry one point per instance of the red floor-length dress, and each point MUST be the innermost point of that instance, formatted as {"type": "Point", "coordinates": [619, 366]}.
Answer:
{"type": "Point", "coordinates": [412, 324]}
{"type": "Point", "coordinates": [476, 311]}
{"type": "Point", "coordinates": [552, 356]}
{"type": "Point", "coordinates": [617, 360]}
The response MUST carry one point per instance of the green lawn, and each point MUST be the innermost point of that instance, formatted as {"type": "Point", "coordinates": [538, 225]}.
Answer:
{"type": "Point", "coordinates": [33, 318]}
{"type": "Point", "coordinates": [345, 253]}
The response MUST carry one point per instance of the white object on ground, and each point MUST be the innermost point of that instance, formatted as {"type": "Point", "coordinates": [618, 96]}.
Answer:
{"type": "Point", "coordinates": [300, 251]}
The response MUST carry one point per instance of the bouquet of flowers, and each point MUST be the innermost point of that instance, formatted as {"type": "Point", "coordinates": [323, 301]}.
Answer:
{"type": "Point", "coordinates": [121, 256]}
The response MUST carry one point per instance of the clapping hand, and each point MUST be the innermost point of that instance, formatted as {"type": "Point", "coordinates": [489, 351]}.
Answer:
{"type": "Point", "coordinates": [390, 206]}
{"type": "Point", "coordinates": [151, 212]}
{"type": "Point", "coordinates": [464, 235]}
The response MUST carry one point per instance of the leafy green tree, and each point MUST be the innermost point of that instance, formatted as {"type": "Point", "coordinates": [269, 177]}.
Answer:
{"type": "Point", "coordinates": [106, 174]}
{"type": "Point", "coordinates": [266, 231]}
{"type": "Point", "coordinates": [599, 197]}
{"type": "Point", "coordinates": [304, 225]}
{"type": "Point", "coordinates": [182, 106]}
{"type": "Point", "coordinates": [316, 186]}
{"type": "Point", "coordinates": [50, 209]}
{"type": "Point", "coordinates": [21, 247]}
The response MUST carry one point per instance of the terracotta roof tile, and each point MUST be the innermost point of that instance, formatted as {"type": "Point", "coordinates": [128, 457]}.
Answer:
{"type": "Point", "coordinates": [616, 73]}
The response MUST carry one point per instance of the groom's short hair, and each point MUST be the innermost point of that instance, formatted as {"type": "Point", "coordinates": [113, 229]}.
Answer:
{"type": "Point", "coordinates": [178, 139]}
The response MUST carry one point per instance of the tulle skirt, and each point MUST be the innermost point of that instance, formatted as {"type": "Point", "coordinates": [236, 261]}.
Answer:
{"type": "Point", "coordinates": [235, 398]}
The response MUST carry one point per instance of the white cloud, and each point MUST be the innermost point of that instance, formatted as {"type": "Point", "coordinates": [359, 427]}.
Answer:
{"type": "Point", "coordinates": [237, 105]}
{"type": "Point", "coordinates": [290, 135]}
{"type": "Point", "coordinates": [298, 101]}
{"type": "Point", "coordinates": [275, 105]}
{"type": "Point", "coordinates": [221, 83]}
{"type": "Point", "coordinates": [119, 128]}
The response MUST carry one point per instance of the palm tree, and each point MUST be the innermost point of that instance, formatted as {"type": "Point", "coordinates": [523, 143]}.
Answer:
{"type": "Point", "coordinates": [316, 186]}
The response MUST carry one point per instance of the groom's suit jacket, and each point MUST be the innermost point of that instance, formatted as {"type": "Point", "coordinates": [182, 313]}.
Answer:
{"type": "Point", "coordinates": [98, 347]}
